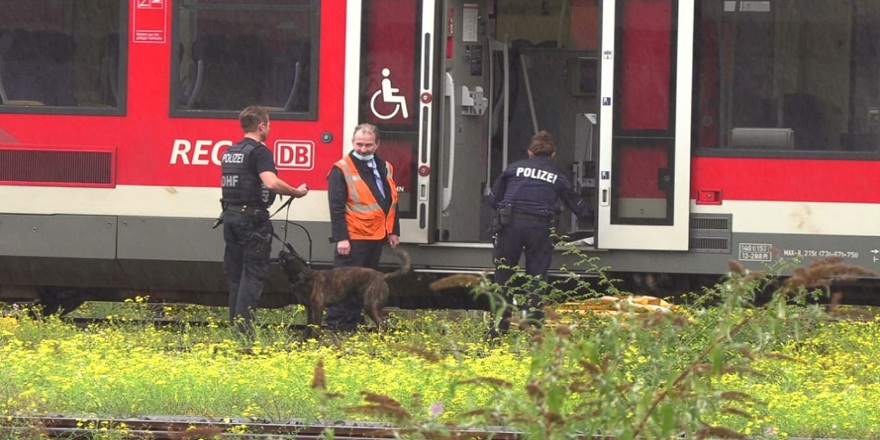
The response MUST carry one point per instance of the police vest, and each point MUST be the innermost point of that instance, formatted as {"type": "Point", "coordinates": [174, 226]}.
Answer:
{"type": "Point", "coordinates": [240, 183]}
{"type": "Point", "coordinates": [364, 217]}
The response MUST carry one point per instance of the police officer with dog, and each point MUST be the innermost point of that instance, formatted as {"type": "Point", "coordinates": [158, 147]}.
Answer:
{"type": "Point", "coordinates": [249, 182]}
{"type": "Point", "coordinates": [525, 197]}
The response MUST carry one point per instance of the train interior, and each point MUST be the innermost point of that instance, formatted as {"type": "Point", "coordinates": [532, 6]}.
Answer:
{"type": "Point", "coordinates": [56, 53]}
{"type": "Point", "coordinates": [517, 67]}
{"type": "Point", "coordinates": [60, 54]}
{"type": "Point", "coordinates": [797, 75]}
{"type": "Point", "coordinates": [233, 56]}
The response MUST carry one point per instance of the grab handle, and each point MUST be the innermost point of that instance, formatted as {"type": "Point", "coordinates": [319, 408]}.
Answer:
{"type": "Point", "coordinates": [447, 189]}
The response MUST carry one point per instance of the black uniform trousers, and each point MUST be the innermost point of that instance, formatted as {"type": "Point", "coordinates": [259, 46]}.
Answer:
{"type": "Point", "coordinates": [532, 237]}
{"type": "Point", "coordinates": [248, 236]}
{"type": "Point", "coordinates": [347, 315]}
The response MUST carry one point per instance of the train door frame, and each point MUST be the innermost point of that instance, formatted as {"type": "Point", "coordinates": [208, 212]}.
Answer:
{"type": "Point", "coordinates": [484, 127]}
{"type": "Point", "coordinates": [408, 131]}
{"type": "Point", "coordinates": [627, 149]}
{"type": "Point", "coordinates": [463, 122]}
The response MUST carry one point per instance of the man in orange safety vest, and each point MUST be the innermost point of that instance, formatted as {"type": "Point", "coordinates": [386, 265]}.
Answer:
{"type": "Point", "coordinates": [363, 215]}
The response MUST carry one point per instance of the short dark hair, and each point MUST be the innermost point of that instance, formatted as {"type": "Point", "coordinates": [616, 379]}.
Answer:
{"type": "Point", "coordinates": [367, 127]}
{"type": "Point", "coordinates": [252, 116]}
{"type": "Point", "coordinates": [542, 144]}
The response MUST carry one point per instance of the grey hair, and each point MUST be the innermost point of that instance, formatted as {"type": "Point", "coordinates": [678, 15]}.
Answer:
{"type": "Point", "coordinates": [367, 127]}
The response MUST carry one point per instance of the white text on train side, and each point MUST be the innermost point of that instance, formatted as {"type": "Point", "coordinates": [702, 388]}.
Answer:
{"type": "Point", "coordinates": [289, 154]}
{"type": "Point", "coordinates": [203, 152]}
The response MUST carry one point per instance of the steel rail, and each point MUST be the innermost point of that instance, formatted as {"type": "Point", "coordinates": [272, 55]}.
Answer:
{"type": "Point", "coordinates": [176, 428]}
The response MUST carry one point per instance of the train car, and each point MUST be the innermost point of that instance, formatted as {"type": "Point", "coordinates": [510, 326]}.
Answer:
{"type": "Point", "coordinates": [702, 131]}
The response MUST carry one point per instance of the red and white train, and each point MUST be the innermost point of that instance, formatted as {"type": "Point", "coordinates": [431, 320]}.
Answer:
{"type": "Point", "coordinates": [703, 131]}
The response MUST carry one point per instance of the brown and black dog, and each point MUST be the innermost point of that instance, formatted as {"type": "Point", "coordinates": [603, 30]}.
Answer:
{"type": "Point", "coordinates": [317, 288]}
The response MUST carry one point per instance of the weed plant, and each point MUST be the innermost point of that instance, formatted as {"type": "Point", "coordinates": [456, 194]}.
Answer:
{"type": "Point", "coordinates": [720, 366]}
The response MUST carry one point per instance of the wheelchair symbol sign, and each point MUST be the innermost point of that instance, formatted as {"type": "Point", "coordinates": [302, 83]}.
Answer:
{"type": "Point", "coordinates": [391, 103]}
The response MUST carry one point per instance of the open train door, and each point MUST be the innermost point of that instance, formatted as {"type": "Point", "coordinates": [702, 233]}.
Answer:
{"type": "Point", "coordinates": [395, 50]}
{"type": "Point", "coordinates": [507, 70]}
{"type": "Point", "coordinates": [644, 124]}
{"type": "Point", "coordinates": [390, 83]}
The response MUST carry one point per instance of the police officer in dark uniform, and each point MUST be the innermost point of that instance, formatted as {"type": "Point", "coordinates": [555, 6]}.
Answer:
{"type": "Point", "coordinates": [524, 197]}
{"type": "Point", "coordinates": [250, 182]}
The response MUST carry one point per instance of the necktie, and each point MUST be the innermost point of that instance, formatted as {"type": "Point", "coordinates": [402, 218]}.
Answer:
{"type": "Point", "coordinates": [378, 178]}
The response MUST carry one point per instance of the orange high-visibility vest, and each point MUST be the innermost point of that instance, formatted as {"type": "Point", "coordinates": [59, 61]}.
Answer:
{"type": "Point", "coordinates": [364, 217]}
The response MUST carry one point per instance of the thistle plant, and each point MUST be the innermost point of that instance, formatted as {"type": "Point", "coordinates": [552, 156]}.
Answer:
{"type": "Point", "coordinates": [653, 375]}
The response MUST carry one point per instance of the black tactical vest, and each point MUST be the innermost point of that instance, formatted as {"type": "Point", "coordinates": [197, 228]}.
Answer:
{"type": "Point", "coordinates": [240, 182]}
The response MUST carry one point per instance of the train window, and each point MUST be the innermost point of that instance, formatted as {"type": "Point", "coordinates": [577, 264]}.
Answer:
{"type": "Point", "coordinates": [61, 56]}
{"type": "Point", "coordinates": [787, 75]}
{"type": "Point", "coordinates": [229, 54]}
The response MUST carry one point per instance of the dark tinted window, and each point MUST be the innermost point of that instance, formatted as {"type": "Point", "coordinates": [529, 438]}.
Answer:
{"type": "Point", "coordinates": [60, 53]}
{"type": "Point", "coordinates": [796, 75]}
{"type": "Point", "coordinates": [235, 53]}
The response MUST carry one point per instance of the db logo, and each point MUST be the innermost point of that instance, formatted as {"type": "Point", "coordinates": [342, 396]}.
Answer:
{"type": "Point", "coordinates": [294, 155]}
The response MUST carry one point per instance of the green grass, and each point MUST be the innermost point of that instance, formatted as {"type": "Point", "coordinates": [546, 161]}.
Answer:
{"type": "Point", "coordinates": [781, 370]}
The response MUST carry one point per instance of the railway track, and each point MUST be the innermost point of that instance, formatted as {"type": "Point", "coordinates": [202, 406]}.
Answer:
{"type": "Point", "coordinates": [157, 322]}
{"type": "Point", "coordinates": [83, 323]}
{"type": "Point", "coordinates": [179, 323]}
{"type": "Point", "coordinates": [184, 428]}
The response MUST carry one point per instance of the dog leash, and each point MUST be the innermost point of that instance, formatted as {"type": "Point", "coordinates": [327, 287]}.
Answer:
{"type": "Point", "coordinates": [284, 205]}
{"type": "Point", "coordinates": [287, 221]}
{"type": "Point", "coordinates": [283, 241]}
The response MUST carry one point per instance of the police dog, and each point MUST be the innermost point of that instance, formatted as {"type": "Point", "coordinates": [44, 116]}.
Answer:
{"type": "Point", "coordinates": [317, 288]}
